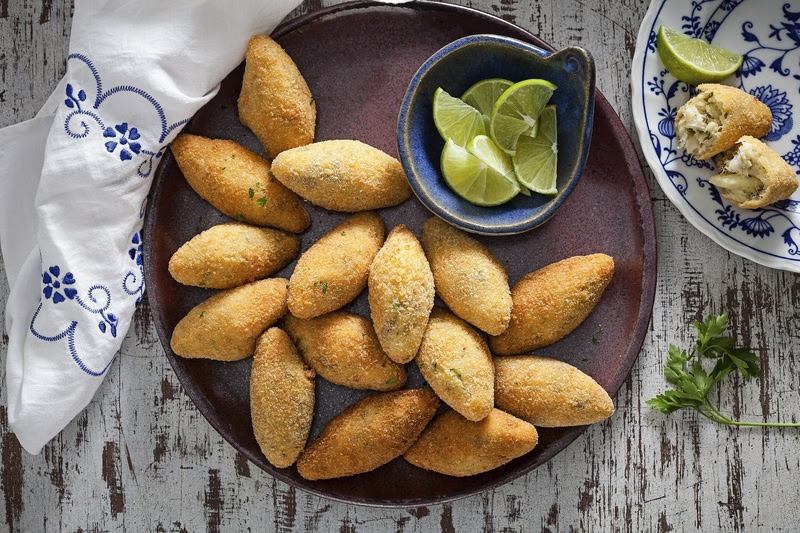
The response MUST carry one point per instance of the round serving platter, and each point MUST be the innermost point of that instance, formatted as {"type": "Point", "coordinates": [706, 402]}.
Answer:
{"type": "Point", "coordinates": [358, 58]}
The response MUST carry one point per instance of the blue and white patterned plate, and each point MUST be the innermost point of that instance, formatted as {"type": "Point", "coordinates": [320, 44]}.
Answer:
{"type": "Point", "coordinates": [767, 34]}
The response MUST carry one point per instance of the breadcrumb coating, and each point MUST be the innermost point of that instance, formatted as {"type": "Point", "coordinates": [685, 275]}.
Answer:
{"type": "Point", "coordinates": [342, 348]}
{"type": "Point", "coordinates": [343, 175]}
{"type": "Point", "coordinates": [281, 398]}
{"type": "Point", "coordinates": [455, 446]}
{"type": "Point", "coordinates": [275, 101]}
{"type": "Point", "coordinates": [368, 434]}
{"type": "Point", "coordinates": [225, 326]}
{"type": "Point", "coordinates": [401, 294]}
{"type": "Point", "coordinates": [549, 393]}
{"type": "Point", "coordinates": [237, 181]}
{"type": "Point", "coordinates": [551, 302]}
{"type": "Point", "coordinates": [468, 277]}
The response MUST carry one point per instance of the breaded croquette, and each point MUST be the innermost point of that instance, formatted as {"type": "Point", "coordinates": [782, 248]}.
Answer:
{"type": "Point", "coordinates": [344, 176]}
{"type": "Point", "coordinates": [237, 181]}
{"type": "Point", "coordinates": [334, 270]}
{"type": "Point", "coordinates": [225, 326]}
{"type": "Point", "coordinates": [549, 393]}
{"type": "Point", "coordinates": [229, 255]}
{"type": "Point", "coordinates": [752, 175]}
{"type": "Point", "coordinates": [275, 102]}
{"type": "Point", "coordinates": [717, 117]}
{"type": "Point", "coordinates": [401, 294]}
{"type": "Point", "coordinates": [368, 434]}
{"type": "Point", "coordinates": [342, 348]}
{"type": "Point", "coordinates": [281, 398]}
{"type": "Point", "coordinates": [551, 302]}
{"type": "Point", "coordinates": [455, 361]}
{"type": "Point", "coordinates": [455, 446]}
{"type": "Point", "coordinates": [468, 277]}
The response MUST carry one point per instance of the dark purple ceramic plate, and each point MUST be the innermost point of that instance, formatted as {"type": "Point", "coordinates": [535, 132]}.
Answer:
{"type": "Point", "coordinates": [358, 59]}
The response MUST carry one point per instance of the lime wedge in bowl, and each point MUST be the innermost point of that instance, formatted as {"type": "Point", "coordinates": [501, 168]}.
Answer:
{"type": "Point", "coordinates": [536, 158]}
{"type": "Point", "coordinates": [694, 60]}
{"type": "Point", "coordinates": [483, 179]}
{"type": "Point", "coordinates": [484, 94]}
{"type": "Point", "coordinates": [456, 120]}
{"type": "Point", "coordinates": [516, 111]}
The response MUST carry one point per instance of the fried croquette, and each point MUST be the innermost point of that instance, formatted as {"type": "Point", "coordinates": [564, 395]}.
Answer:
{"type": "Point", "coordinates": [368, 434]}
{"type": "Point", "coordinates": [334, 270]}
{"type": "Point", "coordinates": [229, 255]}
{"type": "Point", "coordinates": [225, 326]}
{"type": "Point", "coordinates": [344, 176]}
{"type": "Point", "coordinates": [237, 181]}
{"type": "Point", "coordinates": [752, 175]}
{"type": "Point", "coordinates": [551, 302]}
{"type": "Point", "coordinates": [275, 102]}
{"type": "Point", "coordinates": [455, 361]}
{"type": "Point", "coordinates": [281, 398]}
{"type": "Point", "coordinates": [401, 294]}
{"type": "Point", "coordinates": [342, 348]}
{"type": "Point", "coordinates": [455, 446]}
{"type": "Point", "coordinates": [467, 276]}
{"type": "Point", "coordinates": [717, 117]}
{"type": "Point", "coordinates": [549, 393]}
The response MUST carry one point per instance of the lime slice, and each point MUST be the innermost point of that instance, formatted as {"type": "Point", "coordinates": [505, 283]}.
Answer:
{"type": "Point", "coordinates": [485, 93]}
{"type": "Point", "coordinates": [694, 60]}
{"type": "Point", "coordinates": [536, 158]}
{"type": "Point", "coordinates": [456, 120]}
{"type": "Point", "coordinates": [474, 180]}
{"type": "Point", "coordinates": [489, 153]}
{"type": "Point", "coordinates": [516, 111]}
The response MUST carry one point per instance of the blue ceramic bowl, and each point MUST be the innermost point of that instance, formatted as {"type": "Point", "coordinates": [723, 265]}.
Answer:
{"type": "Point", "coordinates": [455, 68]}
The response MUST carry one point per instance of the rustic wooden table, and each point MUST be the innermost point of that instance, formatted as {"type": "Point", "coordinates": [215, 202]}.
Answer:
{"type": "Point", "coordinates": [141, 457]}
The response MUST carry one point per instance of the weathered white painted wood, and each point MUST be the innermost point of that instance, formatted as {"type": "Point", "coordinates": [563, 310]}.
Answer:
{"type": "Point", "coordinates": [141, 458]}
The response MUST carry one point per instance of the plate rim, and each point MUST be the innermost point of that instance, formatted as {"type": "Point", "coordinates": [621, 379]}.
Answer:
{"type": "Point", "coordinates": [646, 224]}
{"type": "Point", "coordinates": [725, 240]}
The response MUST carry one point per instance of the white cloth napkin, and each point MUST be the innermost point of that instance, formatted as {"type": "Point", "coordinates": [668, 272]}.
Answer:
{"type": "Point", "coordinates": [74, 181]}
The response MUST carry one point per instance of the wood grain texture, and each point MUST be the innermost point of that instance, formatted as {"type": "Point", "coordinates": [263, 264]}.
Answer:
{"type": "Point", "coordinates": [141, 458]}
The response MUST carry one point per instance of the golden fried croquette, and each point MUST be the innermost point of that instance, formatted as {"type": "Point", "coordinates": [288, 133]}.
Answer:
{"type": "Point", "coordinates": [455, 361]}
{"type": "Point", "coordinates": [401, 294]}
{"type": "Point", "coordinates": [345, 176]}
{"type": "Point", "coordinates": [551, 302]}
{"type": "Point", "coordinates": [455, 446]}
{"type": "Point", "coordinates": [368, 434]}
{"type": "Point", "coordinates": [237, 181]}
{"type": "Point", "coordinates": [752, 175]}
{"type": "Point", "coordinates": [549, 393]}
{"type": "Point", "coordinates": [717, 117]}
{"type": "Point", "coordinates": [334, 270]}
{"type": "Point", "coordinates": [281, 398]}
{"type": "Point", "coordinates": [229, 255]}
{"type": "Point", "coordinates": [468, 277]}
{"type": "Point", "coordinates": [225, 326]}
{"type": "Point", "coordinates": [275, 102]}
{"type": "Point", "coordinates": [342, 348]}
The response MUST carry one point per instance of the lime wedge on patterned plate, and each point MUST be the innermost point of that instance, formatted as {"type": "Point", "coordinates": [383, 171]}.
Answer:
{"type": "Point", "coordinates": [456, 120]}
{"type": "Point", "coordinates": [479, 175]}
{"type": "Point", "coordinates": [694, 60]}
{"type": "Point", "coordinates": [516, 111]}
{"type": "Point", "coordinates": [536, 158]}
{"type": "Point", "coordinates": [484, 94]}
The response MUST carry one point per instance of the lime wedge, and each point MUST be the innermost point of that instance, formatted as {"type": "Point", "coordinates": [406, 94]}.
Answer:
{"type": "Point", "coordinates": [694, 60]}
{"type": "Point", "coordinates": [536, 159]}
{"type": "Point", "coordinates": [516, 111]}
{"type": "Point", "coordinates": [489, 153]}
{"type": "Point", "coordinates": [474, 180]}
{"type": "Point", "coordinates": [456, 120]}
{"type": "Point", "coordinates": [485, 93]}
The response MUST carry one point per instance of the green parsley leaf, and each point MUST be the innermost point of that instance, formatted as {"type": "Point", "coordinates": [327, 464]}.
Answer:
{"type": "Point", "coordinates": [251, 192]}
{"type": "Point", "coordinates": [261, 201]}
{"type": "Point", "coordinates": [691, 380]}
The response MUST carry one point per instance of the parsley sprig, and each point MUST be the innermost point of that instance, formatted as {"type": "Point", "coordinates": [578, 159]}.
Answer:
{"type": "Point", "coordinates": [692, 382]}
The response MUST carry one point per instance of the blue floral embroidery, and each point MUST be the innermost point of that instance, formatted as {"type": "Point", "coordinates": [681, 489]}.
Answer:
{"type": "Point", "coordinates": [133, 283]}
{"type": "Point", "coordinates": [52, 285]}
{"type": "Point", "coordinates": [125, 138]}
